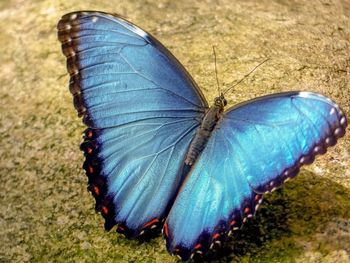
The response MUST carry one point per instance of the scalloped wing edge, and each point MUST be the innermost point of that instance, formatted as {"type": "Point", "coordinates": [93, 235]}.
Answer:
{"type": "Point", "coordinates": [207, 241]}
{"type": "Point", "coordinates": [98, 185]}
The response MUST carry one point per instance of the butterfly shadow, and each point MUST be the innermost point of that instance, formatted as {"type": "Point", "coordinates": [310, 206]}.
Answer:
{"type": "Point", "coordinates": [288, 218]}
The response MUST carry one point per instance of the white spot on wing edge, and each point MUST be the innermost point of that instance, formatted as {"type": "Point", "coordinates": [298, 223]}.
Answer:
{"type": "Point", "coordinates": [328, 140]}
{"type": "Point", "coordinates": [317, 149]}
{"type": "Point", "coordinates": [94, 19]}
{"type": "Point", "coordinates": [71, 54]}
{"type": "Point", "coordinates": [342, 120]}
{"type": "Point", "coordinates": [338, 132]}
{"type": "Point", "coordinates": [73, 16]}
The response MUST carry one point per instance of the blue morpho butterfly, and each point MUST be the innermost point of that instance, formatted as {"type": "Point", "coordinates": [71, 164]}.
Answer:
{"type": "Point", "coordinates": [158, 156]}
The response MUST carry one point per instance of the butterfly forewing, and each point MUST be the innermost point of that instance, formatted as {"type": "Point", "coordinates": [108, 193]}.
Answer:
{"type": "Point", "coordinates": [142, 108]}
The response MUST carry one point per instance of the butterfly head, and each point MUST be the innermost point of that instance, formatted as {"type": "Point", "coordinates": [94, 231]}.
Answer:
{"type": "Point", "coordinates": [220, 102]}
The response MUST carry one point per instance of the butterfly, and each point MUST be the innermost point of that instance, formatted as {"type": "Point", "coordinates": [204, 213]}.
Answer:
{"type": "Point", "coordinates": [158, 156]}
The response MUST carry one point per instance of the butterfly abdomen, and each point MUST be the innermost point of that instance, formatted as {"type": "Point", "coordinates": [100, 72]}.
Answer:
{"type": "Point", "coordinates": [203, 133]}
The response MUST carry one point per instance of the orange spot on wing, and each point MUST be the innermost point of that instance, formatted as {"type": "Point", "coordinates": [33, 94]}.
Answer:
{"type": "Point", "coordinates": [90, 134]}
{"type": "Point", "coordinates": [96, 190]}
{"type": "Point", "coordinates": [166, 230]}
{"type": "Point", "coordinates": [151, 222]}
{"type": "Point", "coordinates": [198, 246]}
{"type": "Point", "coordinates": [89, 150]}
{"type": "Point", "coordinates": [246, 210]}
{"type": "Point", "coordinates": [91, 170]}
{"type": "Point", "coordinates": [216, 236]}
{"type": "Point", "coordinates": [233, 222]}
{"type": "Point", "coordinates": [104, 210]}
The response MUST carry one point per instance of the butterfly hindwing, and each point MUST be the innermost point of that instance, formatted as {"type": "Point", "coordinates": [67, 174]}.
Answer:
{"type": "Point", "coordinates": [214, 200]}
{"type": "Point", "coordinates": [255, 147]}
{"type": "Point", "coordinates": [276, 134]}
{"type": "Point", "coordinates": [136, 169]}
{"type": "Point", "coordinates": [142, 109]}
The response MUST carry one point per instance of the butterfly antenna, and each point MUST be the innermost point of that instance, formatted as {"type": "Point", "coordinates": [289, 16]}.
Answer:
{"type": "Point", "coordinates": [216, 71]}
{"type": "Point", "coordinates": [245, 76]}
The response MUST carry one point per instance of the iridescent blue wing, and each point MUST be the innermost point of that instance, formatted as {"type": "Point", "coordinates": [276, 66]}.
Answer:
{"type": "Point", "coordinates": [142, 109]}
{"type": "Point", "coordinates": [256, 146]}
{"type": "Point", "coordinates": [277, 134]}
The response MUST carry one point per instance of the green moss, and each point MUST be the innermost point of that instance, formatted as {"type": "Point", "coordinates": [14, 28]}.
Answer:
{"type": "Point", "coordinates": [46, 213]}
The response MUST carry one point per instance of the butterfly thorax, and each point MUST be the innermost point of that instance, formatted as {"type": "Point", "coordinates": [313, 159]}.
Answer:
{"type": "Point", "coordinates": [204, 131]}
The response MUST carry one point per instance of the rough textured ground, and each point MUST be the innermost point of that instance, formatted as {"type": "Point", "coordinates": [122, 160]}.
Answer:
{"type": "Point", "coordinates": [47, 214]}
